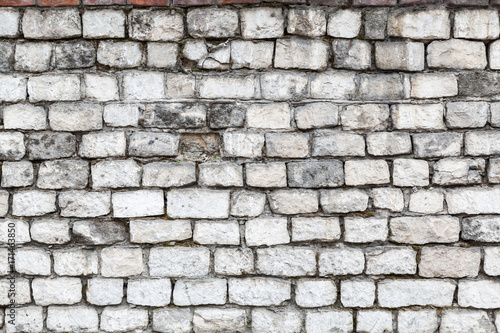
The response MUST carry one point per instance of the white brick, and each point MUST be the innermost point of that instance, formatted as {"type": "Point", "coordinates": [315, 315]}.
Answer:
{"type": "Point", "coordinates": [51, 24]}
{"type": "Point", "coordinates": [143, 86]}
{"type": "Point", "coordinates": [84, 204]}
{"type": "Point", "coordinates": [21, 228]}
{"type": "Point", "coordinates": [76, 318]}
{"type": "Point", "coordinates": [28, 319]}
{"type": "Point", "coordinates": [466, 114]}
{"type": "Point", "coordinates": [33, 57]}
{"type": "Point", "coordinates": [344, 23]}
{"type": "Point", "coordinates": [12, 145]}
{"type": "Point", "coordinates": [421, 24]}
{"type": "Point", "coordinates": [172, 320]}
{"type": "Point", "coordinates": [357, 293]}
{"type": "Point", "coordinates": [162, 55]}
{"type": "Point", "coordinates": [198, 203]}
{"type": "Point", "coordinates": [13, 88]}
{"type": "Point", "coordinates": [17, 174]}
{"type": "Point", "coordinates": [33, 203]}
{"type": "Point", "coordinates": [483, 294]}
{"type": "Point", "coordinates": [316, 115]}
{"type": "Point", "coordinates": [269, 116]}
{"type": "Point", "coordinates": [247, 203]}
{"type": "Point", "coordinates": [51, 231]}
{"type": "Point", "coordinates": [166, 174]}
{"type": "Point", "coordinates": [476, 24]}
{"type": "Point", "coordinates": [390, 260]}
{"type": "Point", "coordinates": [310, 22]}
{"type": "Point", "coordinates": [123, 319]}
{"type": "Point", "coordinates": [219, 320]}
{"type": "Point", "coordinates": [374, 321]}
{"type": "Point", "coordinates": [104, 144]}
{"type": "Point", "coordinates": [343, 201]}
{"type": "Point", "coordinates": [352, 54]}
{"type": "Point", "coordinates": [179, 262]}
{"type": "Point", "coordinates": [212, 22]}
{"type": "Point", "coordinates": [237, 261]}
{"type": "Point", "coordinates": [451, 262]}
{"type": "Point", "coordinates": [427, 202]}
{"type": "Point", "coordinates": [101, 88]}
{"type": "Point", "coordinates": [107, 23]}
{"type": "Point", "coordinates": [301, 53]}
{"type": "Point", "coordinates": [271, 321]}
{"type": "Point", "coordinates": [405, 292]}
{"type": "Point", "coordinates": [138, 203]}
{"type": "Point", "coordinates": [366, 172]}
{"type": "Point", "coordinates": [32, 261]}
{"type": "Point", "coordinates": [425, 229]}
{"type": "Point", "coordinates": [180, 85]}
{"type": "Point", "coordinates": [457, 54]}
{"type": "Point", "coordinates": [73, 117]}
{"type": "Point", "coordinates": [482, 143]}
{"type": "Point", "coordinates": [417, 321]}
{"type": "Point", "coordinates": [159, 231]}
{"type": "Point", "coordinates": [410, 172]}
{"type": "Point", "coordinates": [287, 145]}
{"type": "Point", "coordinates": [462, 321]}
{"type": "Point", "coordinates": [286, 261]}
{"type": "Point", "coordinates": [494, 55]}
{"type": "Point", "coordinates": [492, 261]}
{"type": "Point", "coordinates": [388, 198]}
{"type": "Point", "coordinates": [200, 292]}
{"type": "Point", "coordinates": [149, 292]}
{"type": "Point", "coordinates": [102, 291]}
{"type": "Point", "coordinates": [250, 54]}
{"type": "Point", "coordinates": [373, 117]}
{"type": "Point", "coordinates": [220, 174]}
{"type": "Point", "coordinates": [121, 261]}
{"type": "Point", "coordinates": [266, 231]}
{"type": "Point", "coordinates": [75, 262]}
{"type": "Point", "coordinates": [365, 230]}
{"type": "Point", "coordinates": [121, 115]}
{"type": "Point", "coordinates": [116, 174]}
{"type": "Point", "coordinates": [293, 201]}
{"type": "Point", "coordinates": [473, 201]}
{"type": "Point", "coordinates": [258, 291]}
{"type": "Point", "coordinates": [9, 26]}
{"type": "Point", "coordinates": [263, 22]}
{"type": "Point", "coordinates": [329, 320]}
{"type": "Point", "coordinates": [266, 174]}
{"type": "Point", "coordinates": [225, 86]}
{"type": "Point", "coordinates": [47, 291]}
{"type": "Point", "coordinates": [24, 116]}
{"type": "Point", "coordinates": [418, 117]}
{"type": "Point", "coordinates": [324, 229]}
{"type": "Point", "coordinates": [433, 85]}
{"type": "Point", "coordinates": [146, 144]}
{"type": "Point", "coordinates": [217, 233]}
{"type": "Point", "coordinates": [315, 293]}
{"type": "Point", "coordinates": [342, 261]}
{"type": "Point", "coordinates": [333, 85]}
{"type": "Point", "coordinates": [4, 203]}
{"type": "Point", "coordinates": [120, 54]}
{"type": "Point", "coordinates": [23, 292]}
{"type": "Point", "coordinates": [49, 88]}
{"type": "Point", "coordinates": [408, 56]}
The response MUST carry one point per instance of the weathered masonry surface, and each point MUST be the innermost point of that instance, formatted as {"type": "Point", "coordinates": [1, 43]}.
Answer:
{"type": "Point", "coordinates": [250, 167]}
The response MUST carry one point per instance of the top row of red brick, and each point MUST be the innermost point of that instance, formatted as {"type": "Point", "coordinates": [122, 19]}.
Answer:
{"type": "Point", "coordinates": [55, 3]}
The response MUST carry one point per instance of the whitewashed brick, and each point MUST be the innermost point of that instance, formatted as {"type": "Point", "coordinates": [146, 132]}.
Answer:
{"type": "Point", "coordinates": [237, 261]}
{"type": "Point", "coordinates": [172, 320]}
{"type": "Point", "coordinates": [457, 54]}
{"type": "Point", "coordinates": [123, 319]}
{"type": "Point", "coordinates": [17, 174]}
{"type": "Point", "coordinates": [266, 231]}
{"type": "Point", "coordinates": [149, 292]}
{"type": "Point", "coordinates": [116, 174]}
{"type": "Point", "coordinates": [138, 203]}
{"type": "Point", "coordinates": [334, 85]}
{"type": "Point", "coordinates": [75, 262]}
{"type": "Point", "coordinates": [262, 22]}
{"type": "Point", "coordinates": [200, 292]}
{"type": "Point", "coordinates": [425, 229]}
{"type": "Point", "coordinates": [365, 230]}
{"type": "Point", "coordinates": [391, 260]}
{"type": "Point", "coordinates": [84, 204]}
{"type": "Point", "coordinates": [418, 117]}
{"type": "Point", "coordinates": [33, 203]}
{"type": "Point", "coordinates": [198, 203]}
{"type": "Point", "coordinates": [106, 144]}
{"type": "Point", "coordinates": [155, 25]}
{"type": "Point", "coordinates": [344, 23]}
{"type": "Point", "coordinates": [270, 321]}
{"type": "Point", "coordinates": [332, 320]}
{"type": "Point", "coordinates": [343, 201]}
{"type": "Point", "coordinates": [286, 261]}
{"type": "Point", "coordinates": [49, 88]}
{"type": "Point", "coordinates": [420, 24]}
{"type": "Point", "coordinates": [258, 291]}
{"type": "Point", "coordinates": [47, 291]}
{"type": "Point", "coordinates": [23, 292]}
{"type": "Point", "coordinates": [357, 293]}
{"type": "Point", "coordinates": [417, 321]}
{"type": "Point", "coordinates": [301, 53]}
{"type": "Point", "coordinates": [220, 174]}
{"type": "Point", "coordinates": [76, 318]}
{"type": "Point", "coordinates": [406, 292]}
{"type": "Point", "coordinates": [159, 231]}
{"type": "Point", "coordinates": [179, 262]}
{"type": "Point", "coordinates": [243, 144]}
{"type": "Point", "coordinates": [449, 262]}
{"type": "Point", "coordinates": [32, 261]}
{"type": "Point", "coordinates": [218, 233]}
{"type": "Point", "coordinates": [366, 172]}
{"type": "Point", "coordinates": [103, 291]}
{"type": "Point", "coordinates": [121, 261]}
{"type": "Point", "coordinates": [106, 23]}
{"type": "Point", "coordinates": [324, 229]}
{"type": "Point", "coordinates": [247, 203]}
{"type": "Point", "coordinates": [483, 294]}
{"type": "Point", "coordinates": [121, 115]}
{"type": "Point", "coordinates": [433, 85]}
{"type": "Point", "coordinates": [315, 293]}
{"type": "Point", "coordinates": [341, 261]}
{"type": "Point", "coordinates": [476, 24]}
{"type": "Point", "coordinates": [316, 115]}
{"type": "Point", "coordinates": [51, 24]}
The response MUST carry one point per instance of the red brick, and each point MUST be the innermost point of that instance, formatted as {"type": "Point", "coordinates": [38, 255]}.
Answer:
{"type": "Point", "coordinates": [227, 2]}
{"type": "Point", "coordinates": [17, 2]}
{"type": "Point", "coordinates": [149, 2]}
{"type": "Point", "coordinates": [466, 2]}
{"type": "Point", "coordinates": [104, 2]}
{"type": "Point", "coordinates": [374, 2]}
{"type": "Point", "coordinates": [186, 3]}
{"type": "Point", "coordinates": [418, 2]}
{"type": "Point", "coordinates": [56, 3]}
{"type": "Point", "coordinates": [330, 2]}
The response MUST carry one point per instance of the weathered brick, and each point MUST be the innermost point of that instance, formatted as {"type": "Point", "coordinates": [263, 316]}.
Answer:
{"type": "Point", "coordinates": [344, 261]}
{"type": "Point", "coordinates": [145, 144]}
{"type": "Point", "coordinates": [75, 55]}
{"type": "Point", "coordinates": [334, 320]}
{"type": "Point", "coordinates": [192, 292]}
{"type": "Point", "coordinates": [449, 262]}
{"type": "Point", "coordinates": [212, 23]}
{"type": "Point", "coordinates": [388, 198]}
{"type": "Point", "coordinates": [388, 143]}
{"type": "Point", "coordinates": [51, 24]}
{"type": "Point", "coordinates": [452, 171]}
{"type": "Point", "coordinates": [266, 174]}
{"type": "Point", "coordinates": [63, 174]}
{"type": "Point", "coordinates": [476, 24]}
{"type": "Point", "coordinates": [217, 232]}
{"type": "Point", "coordinates": [483, 294]}
{"type": "Point", "coordinates": [390, 260]}
{"type": "Point", "coordinates": [336, 143]}
{"type": "Point", "coordinates": [381, 87]}
{"type": "Point", "coordinates": [266, 231]}
{"type": "Point", "coordinates": [306, 22]}
{"type": "Point", "coordinates": [315, 174]}
{"type": "Point", "coordinates": [281, 86]}
{"type": "Point", "coordinates": [143, 86]}
{"type": "Point", "coordinates": [219, 319]}
{"type": "Point", "coordinates": [149, 292]}
{"type": "Point", "coordinates": [49, 145]}
{"type": "Point", "coordinates": [373, 117]}
{"type": "Point", "coordinates": [13, 88]}
{"type": "Point", "coordinates": [482, 143]}
{"type": "Point", "coordinates": [75, 117]}
{"type": "Point", "coordinates": [99, 233]}
{"type": "Point", "coordinates": [417, 321]}
{"type": "Point", "coordinates": [290, 202]}
{"type": "Point", "coordinates": [424, 229]}
{"type": "Point", "coordinates": [6, 56]}
{"type": "Point", "coordinates": [243, 144]}
{"type": "Point", "coordinates": [24, 116]}
{"type": "Point", "coordinates": [301, 53]}
{"type": "Point", "coordinates": [75, 318]}
{"type": "Point", "coordinates": [351, 54]}
{"type": "Point", "coordinates": [120, 54]}
{"type": "Point", "coordinates": [465, 320]}
{"type": "Point", "coordinates": [75, 262]}
{"type": "Point", "coordinates": [121, 261]}
{"type": "Point", "coordinates": [53, 87]}
{"type": "Point", "coordinates": [427, 202]}
{"type": "Point", "coordinates": [33, 203]}
{"type": "Point", "coordinates": [478, 83]}
{"type": "Point", "coordinates": [33, 57]}
{"type": "Point", "coordinates": [366, 172]}
{"type": "Point", "coordinates": [104, 23]}
{"type": "Point", "coordinates": [32, 261]}
{"type": "Point", "coordinates": [343, 201]}
{"type": "Point", "coordinates": [237, 261]}
{"type": "Point", "coordinates": [457, 54]}
{"type": "Point", "coordinates": [410, 172]}
{"type": "Point", "coordinates": [123, 318]}
{"type": "Point", "coordinates": [155, 25]}
{"type": "Point", "coordinates": [287, 145]}
{"type": "Point", "coordinates": [17, 174]}
{"type": "Point", "coordinates": [316, 115]}
{"type": "Point", "coordinates": [269, 320]}
{"type": "Point", "coordinates": [418, 117]}
{"type": "Point", "coordinates": [365, 230]}
{"type": "Point", "coordinates": [374, 2]}
{"type": "Point", "coordinates": [9, 18]}
{"type": "Point", "coordinates": [408, 56]}
{"type": "Point", "coordinates": [165, 320]}
{"type": "Point", "coordinates": [401, 293]}
{"type": "Point", "coordinates": [263, 22]}
{"type": "Point", "coordinates": [376, 23]}
{"type": "Point", "coordinates": [324, 291]}
{"type": "Point", "coordinates": [437, 144]}
{"type": "Point", "coordinates": [84, 204]}
{"type": "Point", "coordinates": [473, 201]}
{"type": "Point", "coordinates": [138, 203]}
{"type": "Point", "coordinates": [107, 144]}
{"type": "Point", "coordinates": [325, 229]}
{"type": "Point", "coordinates": [194, 203]}
{"type": "Point", "coordinates": [344, 23]}
{"type": "Point", "coordinates": [258, 291]}
{"type": "Point", "coordinates": [420, 24]}
{"type": "Point", "coordinates": [175, 115]}
{"type": "Point", "coordinates": [228, 86]}
{"type": "Point", "coordinates": [46, 291]}
{"type": "Point", "coordinates": [357, 293]}
{"type": "Point", "coordinates": [179, 262]}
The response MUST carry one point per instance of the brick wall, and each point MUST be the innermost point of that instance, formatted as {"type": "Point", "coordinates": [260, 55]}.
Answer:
{"type": "Point", "coordinates": [329, 166]}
